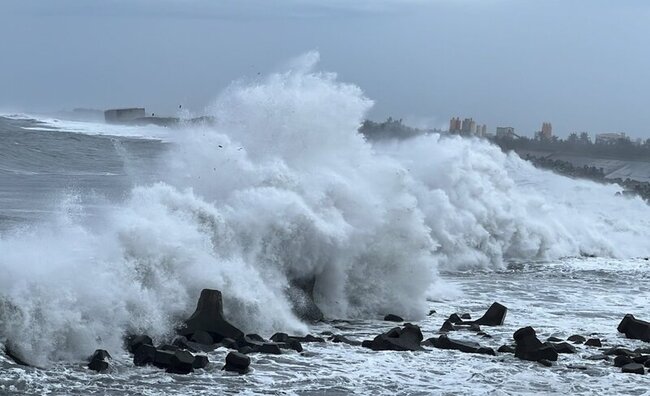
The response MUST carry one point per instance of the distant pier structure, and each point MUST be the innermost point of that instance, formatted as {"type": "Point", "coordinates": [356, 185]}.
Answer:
{"type": "Point", "coordinates": [124, 115]}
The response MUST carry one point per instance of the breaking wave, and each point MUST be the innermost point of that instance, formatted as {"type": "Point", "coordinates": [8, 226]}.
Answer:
{"type": "Point", "coordinates": [282, 192]}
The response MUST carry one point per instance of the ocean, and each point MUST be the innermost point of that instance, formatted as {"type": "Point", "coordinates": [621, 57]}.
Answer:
{"type": "Point", "coordinates": [109, 230]}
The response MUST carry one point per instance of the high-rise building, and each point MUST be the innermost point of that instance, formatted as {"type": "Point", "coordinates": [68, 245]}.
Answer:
{"type": "Point", "coordinates": [468, 127]}
{"type": "Point", "coordinates": [454, 125]}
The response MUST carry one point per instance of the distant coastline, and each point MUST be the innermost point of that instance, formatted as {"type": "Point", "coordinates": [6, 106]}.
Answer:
{"type": "Point", "coordinates": [621, 161]}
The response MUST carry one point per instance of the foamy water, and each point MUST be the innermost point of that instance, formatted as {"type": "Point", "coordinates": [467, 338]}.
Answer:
{"type": "Point", "coordinates": [576, 296]}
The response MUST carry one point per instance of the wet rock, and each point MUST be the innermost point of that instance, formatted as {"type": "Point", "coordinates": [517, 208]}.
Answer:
{"type": "Point", "coordinates": [635, 328]}
{"type": "Point", "coordinates": [621, 361]}
{"type": "Point", "coordinates": [270, 348]}
{"type": "Point", "coordinates": [595, 342]}
{"type": "Point", "coordinates": [563, 347]}
{"type": "Point", "coordinates": [200, 361]}
{"type": "Point", "coordinates": [506, 349]}
{"type": "Point", "coordinates": [309, 338]}
{"type": "Point", "coordinates": [202, 337]}
{"type": "Point", "coordinates": [168, 347]}
{"type": "Point", "coordinates": [641, 359]}
{"type": "Point", "coordinates": [344, 340]}
{"type": "Point", "coordinates": [647, 363]}
{"type": "Point", "coordinates": [255, 337]}
{"type": "Point", "coordinates": [554, 339]}
{"type": "Point", "coordinates": [245, 350]}
{"type": "Point", "coordinates": [393, 318]}
{"type": "Point", "coordinates": [444, 342]}
{"type": "Point", "coordinates": [407, 338]}
{"type": "Point", "coordinates": [182, 362]}
{"type": "Point", "coordinates": [366, 344]}
{"type": "Point", "coordinates": [474, 327]}
{"type": "Point", "coordinates": [208, 317]}
{"type": "Point", "coordinates": [237, 362]}
{"type": "Point", "coordinates": [483, 334]}
{"type": "Point", "coordinates": [618, 351]}
{"type": "Point", "coordinates": [633, 368]}
{"type": "Point", "coordinates": [283, 337]}
{"type": "Point", "coordinates": [280, 337]}
{"type": "Point", "coordinates": [577, 339]}
{"type": "Point", "coordinates": [182, 343]}
{"type": "Point", "coordinates": [600, 356]}
{"type": "Point", "coordinates": [454, 318]}
{"type": "Point", "coordinates": [545, 362]}
{"type": "Point", "coordinates": [494, 316]}
{"type": "Point", "coordinates": [261, 346]}
{"type": "Point", "coordinates": [447, 326]}
{"type": "Point", "coordinates": [295, 345]}
{"type": "Point", "coordinates": [466, 316]}
{"type": "Point", "coordinates": [136, 341]}
{"type": "Point", "coordinates": [144, 355]}
{"type": "Point", "coordinates": [173, 361]}
{"type": "Point", "coordinates": [529, 347]}
{"type": "Point", "coordinates": [99, 361]}
{"type": "Point", "coordinates": [230, 343]}
{"type": "Point", "coordinates": [431, 312]}
{"type": "Point", "coordinates": [642, 351]}
{"type": "Point", "coordinates": [162, 359]}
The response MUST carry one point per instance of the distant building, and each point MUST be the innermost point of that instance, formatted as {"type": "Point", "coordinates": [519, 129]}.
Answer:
{"type": "Point", "coordinates": [124, 115]}
{"type": "Point", "coordinates": [468, 127]}
{"type": "Point", "coordinates": [454, 125]}
{"type": "Point", "coordinates": [609, 138]}
{"type": "Point", "coordinates": [506, 132]}
{"type": "Point", "coordinates": [547, 131]}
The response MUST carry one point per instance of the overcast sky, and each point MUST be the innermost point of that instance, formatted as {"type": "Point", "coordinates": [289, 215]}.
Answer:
{"type": "Point", "coordinates": [583, 65]}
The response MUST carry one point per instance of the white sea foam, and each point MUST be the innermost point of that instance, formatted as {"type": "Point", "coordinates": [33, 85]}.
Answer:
{"type": "Point", "coordinates": [284, 189]}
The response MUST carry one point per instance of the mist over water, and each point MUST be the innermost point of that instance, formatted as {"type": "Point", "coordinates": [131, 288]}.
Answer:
{"type": "Point", "coordinates": [283, 190]}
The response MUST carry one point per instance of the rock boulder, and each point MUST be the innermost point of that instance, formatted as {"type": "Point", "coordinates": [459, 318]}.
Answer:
{"type": "Point", "coordinates": [635, 328]}
{"type": "Point", "coordinates": [529, 347]}
{"type": "Point", "coordinates": [208, 317]}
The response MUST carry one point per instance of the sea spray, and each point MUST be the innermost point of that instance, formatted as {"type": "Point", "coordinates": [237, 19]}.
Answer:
{"type": "Point", "coordinates": [282, 190]}
{"type": "Point", "coordinates": [484, 206]}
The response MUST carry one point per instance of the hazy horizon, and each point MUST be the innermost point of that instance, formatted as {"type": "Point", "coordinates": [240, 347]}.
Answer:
{"type": "Point", "coordinates": [581, 65]}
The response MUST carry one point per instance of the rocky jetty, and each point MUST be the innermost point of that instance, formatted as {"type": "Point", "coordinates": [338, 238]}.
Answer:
{"type": "Point", "coordinates": [207, 329]}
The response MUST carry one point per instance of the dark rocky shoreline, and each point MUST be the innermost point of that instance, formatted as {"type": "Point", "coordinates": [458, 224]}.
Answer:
{"type": "Point", "coordinates": [207, 330]}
